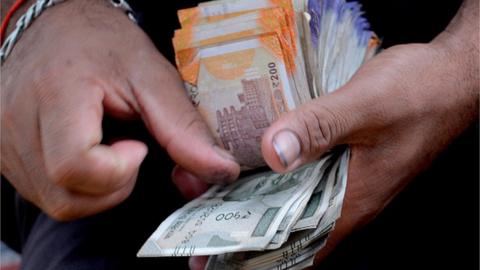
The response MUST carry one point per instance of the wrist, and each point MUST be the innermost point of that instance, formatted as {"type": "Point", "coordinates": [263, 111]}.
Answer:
{"type": "Point", "coordinates": [77, 13]}
{"type": "Point", "coordinates": [460, 64]}
{"type": "Point", "coordinates": [452, 100]}
{"type": "Point", "coordinates": [95, 12]}
{"type": "Point", "coordinates": [7, 6]}
{"type": "Point", "coordinates": [459, 44]}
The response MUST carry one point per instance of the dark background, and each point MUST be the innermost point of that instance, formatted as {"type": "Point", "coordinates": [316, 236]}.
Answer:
{"type": "Point", "coordinates": [433, 223]}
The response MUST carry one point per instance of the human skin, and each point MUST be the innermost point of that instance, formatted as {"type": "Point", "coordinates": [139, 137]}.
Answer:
{"type": "Point", "coordinates": [81, 60]}
{"type": "Point", "coordinates": [397, 113]}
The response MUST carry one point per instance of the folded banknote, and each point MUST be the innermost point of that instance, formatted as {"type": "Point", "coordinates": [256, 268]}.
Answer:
{"type": "Point", "coordinates": [244, 64]}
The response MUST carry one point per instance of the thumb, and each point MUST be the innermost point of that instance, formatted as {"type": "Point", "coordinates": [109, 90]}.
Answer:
{"type": "Point", "coordinates": [177, 125]}
{"type": "Point", "coordinates": [307, 132]}
{"type": "Point", "coordinates": [370, 102]}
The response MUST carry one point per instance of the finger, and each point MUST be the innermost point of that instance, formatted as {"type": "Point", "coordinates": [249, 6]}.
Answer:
{"type": "Point", "coordinates": [373, 99]}
{"type": "Point", "coordinates": [65, 205]}
{"type": "Point", "coordinates": [188, 184]}
{"type": "Point", "coordinates": [74, 157]}
{"type": "Point", "coordinates": [197, 262]}
{"type": "Point", "coordinates": [177, 125]}
{"type": "Point", "coordinates": [342, 117]}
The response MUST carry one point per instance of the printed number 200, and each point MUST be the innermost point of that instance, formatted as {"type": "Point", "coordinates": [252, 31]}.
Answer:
{"type": "Point", "coordinates": [272, 69]}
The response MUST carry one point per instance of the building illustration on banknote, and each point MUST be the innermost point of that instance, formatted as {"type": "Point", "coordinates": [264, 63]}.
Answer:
{"type": "Point", "coordinates": [241, 129]}
{"type": "Point", "coordinates": [245, 63]}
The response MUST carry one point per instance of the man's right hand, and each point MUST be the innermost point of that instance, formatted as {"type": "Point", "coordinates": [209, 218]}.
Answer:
{"type": "Point", "coordinates": [77, 61]}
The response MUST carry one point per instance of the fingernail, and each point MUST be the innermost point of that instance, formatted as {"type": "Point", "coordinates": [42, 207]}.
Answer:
{"type": "Point", "coordinates": [287, 147]}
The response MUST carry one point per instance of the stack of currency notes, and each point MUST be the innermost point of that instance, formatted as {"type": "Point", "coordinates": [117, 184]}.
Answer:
{"type": "Point", "coordinates": [244, 64]}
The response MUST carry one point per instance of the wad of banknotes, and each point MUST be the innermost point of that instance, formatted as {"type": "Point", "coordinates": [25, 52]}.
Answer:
{"type": "Point", "coordinates": [244, 64]}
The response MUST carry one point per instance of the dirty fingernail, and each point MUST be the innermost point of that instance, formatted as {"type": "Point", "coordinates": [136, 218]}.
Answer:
{"type": "Point", "coordinates": [287, 147]}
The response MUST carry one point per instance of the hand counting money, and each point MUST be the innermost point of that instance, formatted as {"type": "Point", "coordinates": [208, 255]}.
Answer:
{"type": "Point", "coordinates": [244, 64]}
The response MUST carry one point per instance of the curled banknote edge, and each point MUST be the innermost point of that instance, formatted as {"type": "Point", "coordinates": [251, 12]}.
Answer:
{"type": "Point", "coordinates": [245, 63]}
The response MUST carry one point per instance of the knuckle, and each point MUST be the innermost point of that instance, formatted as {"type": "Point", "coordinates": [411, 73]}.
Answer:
{"type": "Point", "coordinates": [61, 210]}
{"type": "Point", "coordinates": [191, 120]}
{"type": "Point", "coordinates": [60, 173]}
{"type": "Point", "coordinates": [318, 128]}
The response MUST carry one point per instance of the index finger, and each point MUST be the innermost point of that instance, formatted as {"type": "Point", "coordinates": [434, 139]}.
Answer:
{"type": "Point", "coordinates": [70, 128]}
